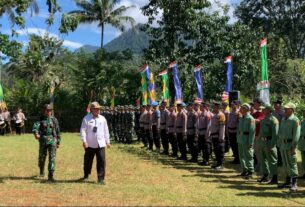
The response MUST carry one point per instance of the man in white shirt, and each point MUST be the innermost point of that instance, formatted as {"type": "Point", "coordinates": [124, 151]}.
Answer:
{"type": "Point", "coordinates": [95, 137]}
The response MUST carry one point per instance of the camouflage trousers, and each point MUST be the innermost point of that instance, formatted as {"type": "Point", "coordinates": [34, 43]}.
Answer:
{"type": "Point", "coordinates": [44, 149]}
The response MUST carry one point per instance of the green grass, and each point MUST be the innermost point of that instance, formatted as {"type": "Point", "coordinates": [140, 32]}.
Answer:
{"type": "Point", "coordinates": [134, 177]}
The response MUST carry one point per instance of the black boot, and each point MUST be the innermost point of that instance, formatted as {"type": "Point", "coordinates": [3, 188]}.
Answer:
{"type": "Point", "coordinates": [264, 179]}
{"type": "Point", "coordinates": [50, 177]}
{"type": "Point", "coordinates": [273, 181]}
{"type": "Point", "coordinates": [287, 184]}
{"type": "Point", "coordinates": [294, 186]}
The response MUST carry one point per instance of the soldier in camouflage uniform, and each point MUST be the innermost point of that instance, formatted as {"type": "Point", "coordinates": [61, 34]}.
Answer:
{"type": "Point", "coordinates": [130, 119]}
{"type": "Point", "coordinates": [48, 134]}
{"type": "Point", "coordinates": [137, 114]}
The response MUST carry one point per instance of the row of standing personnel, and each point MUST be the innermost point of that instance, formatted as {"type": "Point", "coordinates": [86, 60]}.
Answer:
{"type": "Point", "coordinates": [252, 132]}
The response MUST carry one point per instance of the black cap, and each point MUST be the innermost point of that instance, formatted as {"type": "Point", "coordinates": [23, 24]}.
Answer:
{"type": "Point", "coordinates": [277, 102]}
{"type": "Point", "coordinates": [258, 100]}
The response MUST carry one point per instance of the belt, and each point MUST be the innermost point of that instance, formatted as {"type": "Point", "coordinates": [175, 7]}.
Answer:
{"type": "Point", "coordinates": [232, 128]}
{"type": "Point", "coordinates": [202, 129]}
{"type": "Point", "coordinates": [244, 133]}
{"type": "Point", "coordinates": [171, 126]}
{"type": "Point", "coordinates": [191, 128]}
{"type": "Point", "coordinates": [266, 138]}
{"type": "Point", "coordinates": [287, 140]}
{"type": "Point", "coordinates": [179, 127]}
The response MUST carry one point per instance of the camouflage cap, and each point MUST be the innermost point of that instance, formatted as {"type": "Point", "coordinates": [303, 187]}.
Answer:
{"type": "Point", "coordinates": [290, 105]}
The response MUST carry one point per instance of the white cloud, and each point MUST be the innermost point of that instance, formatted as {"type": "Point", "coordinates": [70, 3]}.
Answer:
{"type": "Point", "coordinates": [71, 44]}
{"type": "Point", "coordinates": [42, 32]}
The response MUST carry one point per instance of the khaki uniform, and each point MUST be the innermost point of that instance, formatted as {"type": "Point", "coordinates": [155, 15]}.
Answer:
{"type": "Point", "coordinates": [181, 128]}
{"type": "Point", "coordinates": [245, 140]}
{"type": "Point", "coordinates": [163, 130]}
{"type": "Point", "coordinates": [203, 131]}
{"type": "Point", "coordinates": [147, 128]}
{"type": "Point", "coordinates": [267, 140]}
{"type": "Point", "coordinates": [289, 135]}
{"type": "Point", "coordinates": [155, 126]}
{"type": "Point", "coordinates": [301, 145]}
{"type": "Point", "coordinates": [171, 128]}
{"type": "Point", "coordinates": [191, 134]}
{"type": "Point", "coordinates": [218, 136]}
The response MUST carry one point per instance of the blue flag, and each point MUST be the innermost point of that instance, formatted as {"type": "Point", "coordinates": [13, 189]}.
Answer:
{"type": "Point", "coordinates": [178, 89]}
{"type": "Point", "coordinates": [228, 61]}
{"type": "Point", "coordinates": [197, 74]}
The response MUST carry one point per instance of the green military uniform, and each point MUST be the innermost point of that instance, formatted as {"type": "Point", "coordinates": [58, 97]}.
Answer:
{"type": "Point", "coordinates": [48, 129]}
{"type": "Point", "coordinates": [289, 135]}
{"type": "Point", "coordinates": [245, 139]}
{"type": "Point", "coordinates": [301, 146]}
{"type": "Point", "coordinates": [267, 141]}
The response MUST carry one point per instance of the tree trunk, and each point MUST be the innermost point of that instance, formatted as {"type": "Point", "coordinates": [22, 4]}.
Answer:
{"type": "Point", "coordinates": [102, 37]}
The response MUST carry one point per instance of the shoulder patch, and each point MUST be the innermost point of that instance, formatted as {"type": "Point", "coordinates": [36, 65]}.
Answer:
{"type": "Point", "coordinates": [275, 121]}
{"type": "Point", "coordinates": [221, 118]}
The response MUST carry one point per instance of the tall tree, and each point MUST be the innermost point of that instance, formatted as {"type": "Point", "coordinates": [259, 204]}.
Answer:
{"type": "Point", "coordinates": [284, 18]}
{"type": "Point", "coordinates": [101, 11]}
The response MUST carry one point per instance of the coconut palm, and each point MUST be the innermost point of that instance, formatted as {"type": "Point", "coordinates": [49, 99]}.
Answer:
{"type": "Point", "coordinates": [103, 12]}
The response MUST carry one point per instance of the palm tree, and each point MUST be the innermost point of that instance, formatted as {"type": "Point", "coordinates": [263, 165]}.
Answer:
{"type": "Point", "coordinates": [104, 12]}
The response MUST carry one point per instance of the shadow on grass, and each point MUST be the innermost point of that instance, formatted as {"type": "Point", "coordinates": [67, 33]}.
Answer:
{"type": "Point", "coordinates": [43, 180]}
{"type": "Point", "coordinates": [225, 177]}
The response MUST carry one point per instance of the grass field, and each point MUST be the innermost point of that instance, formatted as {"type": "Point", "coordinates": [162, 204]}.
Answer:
{"type": "Point", "coordinates": [134, 177]}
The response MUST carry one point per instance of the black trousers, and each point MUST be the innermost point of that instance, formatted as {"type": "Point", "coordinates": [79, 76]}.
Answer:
{"type": "Point", "coordinates": [193, 146]}
{"type": "Point", "coordinates": [173, 140]}
{"type": "Point", "coordinates": [205, 147]}
{"type": "Point", "coordinates": [146, 136]}
{"type": "Point", "coordinates": [234, 144]}
{"type": "Point", "coordinates": [219, 150]}
{"type": "Point", "coordinates": [164, 140]}
{"type": "Point", "coordinates": [227, 143]}
{"type": "Point", "coordinates": [156, 136]}
{"type": "Point", "coordinates": [100, 161]}
{"type": "Point", "coordinates": [181, 144]}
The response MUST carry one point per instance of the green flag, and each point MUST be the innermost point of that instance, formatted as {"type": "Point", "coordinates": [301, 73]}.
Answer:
{"type": "Point", "coordinates": [1, 94]}
{"type": "Point", "coordinates": [165, 90]}
{"type": "Point", "coordinates": [144, 88]}
{"type": "Point", "coordinates": [264, 84]}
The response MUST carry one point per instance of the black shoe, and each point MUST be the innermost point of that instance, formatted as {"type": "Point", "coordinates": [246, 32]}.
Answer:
{"type": "Point", "coordinates": [287, 184]}
{"type": "Point", "coordinates": [214, 166]}
{"type": "Point", "coordinates": [264, 179]}
{"type": "Point", "coordinates": [235, 162]}
{"type": "Point", "coordinates": [182, 158]}
{"type": "Point", "coordinates": [204, 163]}
{"type": "Point", "coordinates": [165, 153]}
{"type": "Point", "coordinates": [242, 174]}
{"type": "Point", "coordinates": [248, 175]}
{"type": "Point", "coordinates": [174, 155]}
{"type": "Point", "coordinates": [274, 180]}
{"type": "Point", "coordinates": [84, 179]}
{"type": "Point", "coordinates": [193, 160]}
{"type": "Point", "coordinates": [51, 178]}
{"type": "Point", "coordinates": [219, 167]}
{"type": "Point", "coordinates": [294, 186]}
{"type": "Point", "coordinates": [41, 172]}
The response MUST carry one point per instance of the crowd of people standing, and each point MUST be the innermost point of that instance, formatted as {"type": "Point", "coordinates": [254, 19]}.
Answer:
{"type": "Point", "coordinates": [261, 137]}
{"type": "Point", "coordinates": [12, 121]}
